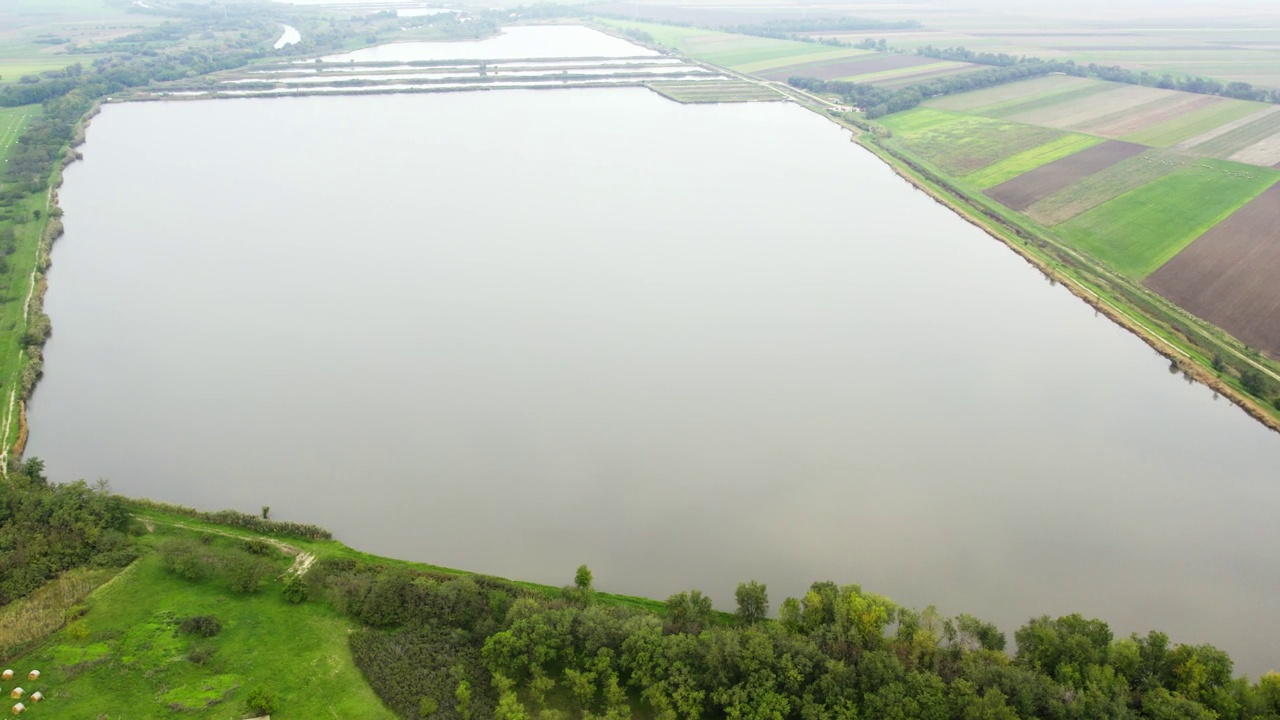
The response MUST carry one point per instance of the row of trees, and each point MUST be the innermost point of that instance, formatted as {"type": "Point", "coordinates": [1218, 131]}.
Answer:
{"type": "Point", "coordinates": [471, 647]}
{"type": "Point", "coordinates": [1113, 73]}
{"type": "Point", "coordinates": [877, 101]}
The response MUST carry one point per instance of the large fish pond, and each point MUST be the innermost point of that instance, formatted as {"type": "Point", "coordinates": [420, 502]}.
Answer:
{"type": "Point", "coordinates": [516, 331]}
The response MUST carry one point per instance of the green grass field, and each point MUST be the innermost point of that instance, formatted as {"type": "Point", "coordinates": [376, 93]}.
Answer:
{"type": "Point", "coordinates": [1016, 165]}
{"type": "Point", "coordinates": [1168, 134]}
{"type": "Point", "coordinates": [1142, 229]}
{"type": "Point", "coordinates": [963, 144]}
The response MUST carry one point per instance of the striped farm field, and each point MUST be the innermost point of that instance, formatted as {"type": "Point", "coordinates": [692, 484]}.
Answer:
{"type": "Point", "coordinates": [1027, 160]}
{"type": "Point", "coordinates": [745, 53]}
{"type": "Point", "coordinates": [1061, 96]}
{"type": "Point", "coordinates": [1009, 92]}
{"type": "Point", "coordinates": [928, 69]}
{"type": "Point", "coordinates": [1072, 115]}
{"type": "Point", "coordinates": [1022, 191]}
{"type": "Point", "coordinates": [1102, 186]}
{"type": "Point", "coordinates": [963, 144]}
{"type": "Point", "coordinates": [1228, 144]}
{"type": "Point", "coordinates": [1206, 119]}
{"type": "Point", "coordinates": [1142, 229]}
{"type": "Point", "coordinates": [1160, 110]}
{"type": "Point", "coordinates": [843, 67]}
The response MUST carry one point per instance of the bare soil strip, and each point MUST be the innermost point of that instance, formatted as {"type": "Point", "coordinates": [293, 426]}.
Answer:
{"type": "Point", "coordinates": [1227, 276]}
{"type": "Point", "coordinates": [1023, 191]}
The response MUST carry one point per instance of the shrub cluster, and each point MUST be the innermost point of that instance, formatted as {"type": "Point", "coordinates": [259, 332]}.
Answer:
{"type": "Point", "coordinates": [235, 518]}
{"type": "Point", "coordinates": [199, 561]}
{"type": "Point", "coordinates": [47, 529]}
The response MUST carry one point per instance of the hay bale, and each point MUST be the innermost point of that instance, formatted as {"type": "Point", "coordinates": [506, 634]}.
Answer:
{"type": "Point", "coordinates": [6, 675]}
{"type": "Point", "coordinates": [33, 675]}
{"type": "Point", "coordinates": [19, 709]}
{"type": "Point", "coordinates": [17, 693]}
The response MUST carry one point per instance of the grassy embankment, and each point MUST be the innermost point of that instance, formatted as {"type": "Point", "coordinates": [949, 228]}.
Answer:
{"type": "Point", "coordinates": [122, 651]}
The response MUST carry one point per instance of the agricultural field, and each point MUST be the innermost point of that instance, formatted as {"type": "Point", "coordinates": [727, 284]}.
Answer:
{"type": "Point", "coordinates": [12, 122]}
{"type": "Point", "coordinates": [1081, 159]}
{"type": "Point", "coordinates": [1098, 188]}
{"type": "Point", "coordinates": [963, 144]}
{"type": "Point", "coordinates": [1205, 125]}
{"type": "Point", "coordinates": [1142, 229]}
{"type": "Point", "coordinates": [1066, 146]}
{"type": "Point", "coordinates": [744, 53]}
{"type": "Point", "coordinates": [1227, 276]}
{"type": "Point", "coordinates": [779, 60]}
{"type": "Point", "coordinates": [1188, 41]}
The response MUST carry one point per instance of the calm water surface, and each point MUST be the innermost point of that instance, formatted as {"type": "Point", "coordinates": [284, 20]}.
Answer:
{"type": "Point", "coordinates": [518, 42]}
{"type": "Point", "coordinates": [688, 346]}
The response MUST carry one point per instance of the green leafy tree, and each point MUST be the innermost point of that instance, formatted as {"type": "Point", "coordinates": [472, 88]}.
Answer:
{"type": "Point", "coordinates": [753, 602]}
{"type": "Point", "coordinates": [582, 579]}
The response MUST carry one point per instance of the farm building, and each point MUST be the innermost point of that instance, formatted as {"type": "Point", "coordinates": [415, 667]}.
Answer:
{"type": "Point", "coordinates": [33, 675]}
{"type": "Point", "coordinates": [19, 708]}
{"type": "Point", "coordinates": [6, 675]}
{"type": "Point", "coordinates": [17, 693]}
{"type": "Point", "coordinates": [36, 697]}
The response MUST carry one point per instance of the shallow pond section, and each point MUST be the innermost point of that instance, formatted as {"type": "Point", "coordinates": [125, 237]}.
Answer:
{"type": "Point", "coordinates": [687, 345]}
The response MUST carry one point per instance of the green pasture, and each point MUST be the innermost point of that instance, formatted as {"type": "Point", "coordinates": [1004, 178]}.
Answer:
{"type": "Point", "coordinates": [1144, 228]}
{"type": "Point", "coordinates": [1172, 132]}
{"type": "Point", "coordinates": [1126, 175]}
{"type": "Point", "coordinates": [1013, 166]}
{"type": "Point", "coordinates": [963, 144]}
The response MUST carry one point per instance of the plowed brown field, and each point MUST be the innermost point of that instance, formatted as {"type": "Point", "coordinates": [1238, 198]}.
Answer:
{"type": "Point", "coordinates": [1228, 275]}
{"type": "Point", "coordinates": [1024, 190]}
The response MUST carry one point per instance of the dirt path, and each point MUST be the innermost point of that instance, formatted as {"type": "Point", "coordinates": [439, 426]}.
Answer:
{"type": "Point", "coordinates": [302, 561]}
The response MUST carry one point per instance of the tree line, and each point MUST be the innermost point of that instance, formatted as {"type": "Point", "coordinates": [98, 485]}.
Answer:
{"type": "Point", "coordinates": [876, 101]}
{"type": "Point", "coordinates": [440, 646]}
{"type": "Point", "coordinates": [1112, 73]}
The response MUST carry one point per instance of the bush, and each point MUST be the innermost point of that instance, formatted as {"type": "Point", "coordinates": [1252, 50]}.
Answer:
{"type": "Point", "coordinates": [257, 546]}
{"type": "Point", "coordinates": [247, 573]}
{"type": "Point", "coordinates": [205, 626]}
{"type": "Point", "coordinates": [295, 588]}
{"type": "Point", "coordinates": [262, 701]}
{"type": "Point", "coordinates": [202, 653]}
